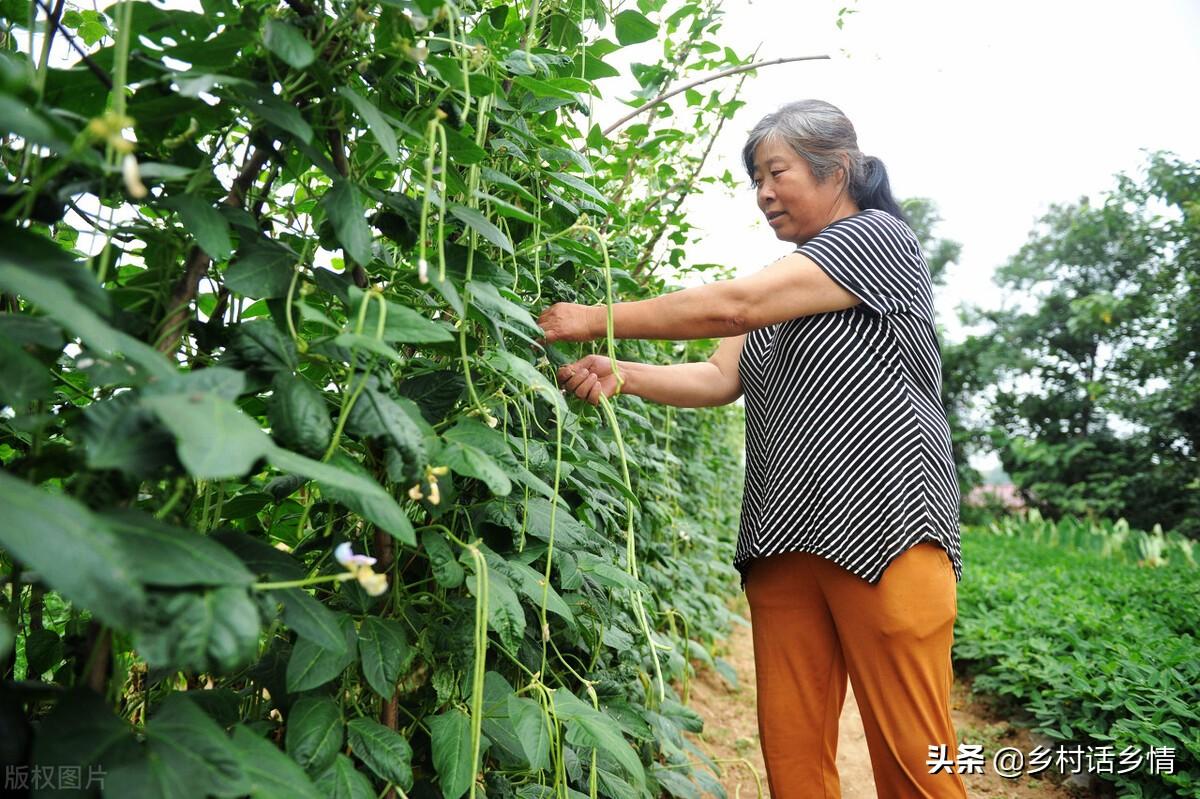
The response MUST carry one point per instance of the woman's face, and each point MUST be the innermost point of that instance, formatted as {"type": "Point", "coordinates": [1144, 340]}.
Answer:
{"type": "Point", "coordinates": [796, 206]}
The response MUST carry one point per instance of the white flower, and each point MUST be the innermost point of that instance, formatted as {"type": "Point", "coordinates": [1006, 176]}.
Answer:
{"type": "Point", "coordinates": [359, 568]}
{"type": "Point", "coordinates": [422, 270]}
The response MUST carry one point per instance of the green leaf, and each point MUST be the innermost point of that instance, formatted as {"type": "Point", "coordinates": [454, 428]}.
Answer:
{"type": "Point", "coordinates": [384, 651]}
{"type": "Point", "coordinates": [600, 731]}
{"type": "Point", "coordinates": [532, 584]}
{"type": "Point", "coordinates": [29, 124]}
{"type": "Point", "coordinates": [311, 666]}
{"type": "Point", "coordinates": [384, 750]}
{"type": "Point", "coordinates": [343, 205]}
{"type": "Point", "coordinates": [506, 208]}
{"type": "Point", "coordinates": [214, 439]}
{"type": "Point", "coordinates": [526, 374]}
{"type": "Point", "coordinates": [352, 340]}
{"type": "Point", "coordinates": [288, 43]}
{"type": "Point", "coordinates": [259, 344]}
{"type": "Point", "coordinates": [118, 433]}
{"type": "Point", "coordinates": [379, 126]}
{"type": "Point", "coordinates": [451, 737]}
{"type": "Point", "coordinates": [271, 773]}
{"type": "Point", "coordinates": [342, 781]}
{"type": "Point", "coordinates": [43, 651]}
{"type": "Point", "coordinates": [505, 614]}
{"type": "Point", "coordinates": [312, 620]}
{"type": "Point", "coordinates": [481, 225]}
{"type": "Point", "coordinates": [401, 323]}
{"type": "Point", "coordinates": [262, 270]}
{"type": "Point", "coordinates": [205, 223]}
{"type": "Point", "coordinates": [73, 551]}
{"type": "Point", "coordinates": [471, 462]}
{"type": "Point", "coordinates": [165, 555]}
{"type": "Point", "coordinates": [185, 754]}
{"type": "Point", "coordinates": [299, 416]}
{"type": "Point", "coordinates": [281, 114]}
{"type": "Point", "coordinates": [581, 186]}
{"type": "Point", "coordinates": [633, 28]}
{"type": "Point", "coordinates": [446, 569]}
{"type": "Point", "coordinates": [490, 300]}
{"type": "Point", "coordinates": [23, 378]}
{"type": "Point", "coordinates": [315, 731]}
{"type": "Point", "coordinates": [346, 481]}
{"type": "Point", "coordinates": [80, 731]}
{"type": "Point", "coordinates": [29, 266]}
{"type": "Point", "coordinates": [214, 630]}
{"type": "Point", "coordinates": [529, 721]}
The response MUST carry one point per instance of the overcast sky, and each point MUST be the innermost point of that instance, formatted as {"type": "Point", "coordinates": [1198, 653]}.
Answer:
{"type": "Point", "coordinates": [993, 110]}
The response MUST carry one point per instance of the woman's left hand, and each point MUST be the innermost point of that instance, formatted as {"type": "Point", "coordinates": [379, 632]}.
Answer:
{"type": "Point", "coordinates": [568, 321]}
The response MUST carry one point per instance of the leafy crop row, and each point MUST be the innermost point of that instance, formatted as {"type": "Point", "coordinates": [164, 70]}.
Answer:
{"type": "Point", "coordinates": [292, 505]}
{"type": "Point", "coordinates": [1102, 651]}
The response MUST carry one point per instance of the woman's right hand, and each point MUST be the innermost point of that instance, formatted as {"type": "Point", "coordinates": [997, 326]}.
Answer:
{"type": "Point", "coordinates": [589, 378]}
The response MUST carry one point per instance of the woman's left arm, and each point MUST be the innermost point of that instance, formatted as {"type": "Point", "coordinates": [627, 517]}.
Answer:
{"type": "Point", "coordinates": [791, 287]}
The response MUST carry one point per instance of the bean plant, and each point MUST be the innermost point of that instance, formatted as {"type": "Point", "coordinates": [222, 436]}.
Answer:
{"type": "Point", "coordinates": [292, 505]}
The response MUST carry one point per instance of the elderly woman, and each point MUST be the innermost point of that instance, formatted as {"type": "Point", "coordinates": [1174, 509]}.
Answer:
{"type": "Point", "coordinates": [848, 546]}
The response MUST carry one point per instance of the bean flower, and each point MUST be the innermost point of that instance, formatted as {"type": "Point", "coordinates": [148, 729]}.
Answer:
{"type": "Point", "coordinates": [359, 567]}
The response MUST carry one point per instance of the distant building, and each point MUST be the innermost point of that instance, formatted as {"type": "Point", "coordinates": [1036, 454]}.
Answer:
{"type": "Point", "coordinates": [1005, 495]}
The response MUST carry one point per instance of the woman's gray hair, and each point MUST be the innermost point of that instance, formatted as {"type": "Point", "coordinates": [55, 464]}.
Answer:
{"type": "Point", "coordinates": [821, 134]}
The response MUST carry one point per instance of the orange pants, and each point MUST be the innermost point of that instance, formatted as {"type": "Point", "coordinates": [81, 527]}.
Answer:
{"type": "Point", "coordinates": [814, 623]}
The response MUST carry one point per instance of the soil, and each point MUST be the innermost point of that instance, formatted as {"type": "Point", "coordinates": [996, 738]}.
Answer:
{"type": "Point", "coordinates": [731, 733]}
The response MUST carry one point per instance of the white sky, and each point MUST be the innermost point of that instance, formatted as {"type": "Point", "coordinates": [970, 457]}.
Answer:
{"type": "Point", "coordinates": [992, 110]}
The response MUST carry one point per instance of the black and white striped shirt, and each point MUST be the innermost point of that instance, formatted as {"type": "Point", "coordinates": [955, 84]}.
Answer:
{"type": "Point", "coordinates": [847, 446]}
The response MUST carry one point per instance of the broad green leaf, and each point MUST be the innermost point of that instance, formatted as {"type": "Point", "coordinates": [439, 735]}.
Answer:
{"type": "Point", "coordinates": [261, 270]}
{"type": "Point", "coordinates": [675, 783]}
{"type": "Point", "coordinates": [445, 567]}
{"type": "Point", "coordinates": [384, 651]}
{"type": "Point", "coordinates": [288, 43]}
{"type": "Point", "coordinates": [41, 528]}
{"type": "Point", "coordinates": [380, 127]}
{"type": "Point", "coordinates": [505, 614]}
{"type": "Point", "coordinates": [506, 208]}
{"type": "Point", "coordinates": [43, 651]}
{"type": "Point", "coordinates": [172, 556]}
{"type": "Point", "coordinates": [311, 666]}
{"type": "Point", "coordinates": [185, 752]}
{"type": "Point", "coordinates": [260, 345]}
{"type": "Point", "coordinates": [31, 125]}
{"type": "Point", "coordinates": [356, 487]}
{"type": "Point", "coordinates": [526, 374]}
{"type": "Point", "coordinates": [471, 462]}
{"type": "Point", "coordinates": [311, 619]}
{"type": "Point", "coordinates": [401, 323]}
{"type": "Point", "coordinates": [60, 303]}
{"type": "Point", "coordinates": [451, 736]}
{"type": "Point", "coordinates": [379, 415]}
{"type": "Point", "coordinates": [482, 225]}
{"type": "Point", "coordinates": [205, 223]}
{"type": "Point", "coordinates": [281, 114]}
{"type": "Point", "coordinates": [342, 781]}
{"type": "Point", "coordinates": [214, 439]}
{"type": "Point", "coordinates": [212, 630]}
{"type": "Point", "coordinates": [491, 301]}
{"type": "Point", "coordinates": [494, 176]}
{"type": "Point", "coordinates": [299, 416]}
{"type": "Point", "coordinates": [23, 378]}
{"type": "Point", "coordinates": [529, 721]}
{"type": "Point", "coordinates": [532, 585]}
{"type": "Point", "coordinates": [581, 186]}
{"type": "Point", "coordinates": [354, 340]}
{"type": "Point", "coordinates": [600, 731]}
{"type": "Point", "coordinates": [384, 750]}
{"type": "Point", "coordinates": [271, 773]}
{"type": "Point", "coordinates": [343, 205]}
{"type": "Point", "coordinates": [315, 732]}
{"type": "Point", "coordinates": [606, 573]}
{"type": "Point", "coordinates": [81, 731]}
{"type": "Point", "coordinates": [344, 480]}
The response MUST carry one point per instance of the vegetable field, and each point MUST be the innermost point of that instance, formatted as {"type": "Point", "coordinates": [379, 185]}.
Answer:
{"type": "Point", "coordinates": [292, 506]}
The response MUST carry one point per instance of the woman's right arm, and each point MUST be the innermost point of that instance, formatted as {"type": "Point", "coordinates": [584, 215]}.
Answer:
{"type": "Point", "coordinates": [684, 385]}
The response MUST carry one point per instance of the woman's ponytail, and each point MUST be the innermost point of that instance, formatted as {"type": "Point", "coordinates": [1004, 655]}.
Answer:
{"type": "Point", "coordinates": [873, 190]}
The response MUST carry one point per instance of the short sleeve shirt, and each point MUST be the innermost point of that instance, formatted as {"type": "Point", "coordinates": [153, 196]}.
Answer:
{"type": "Point", "coordinates": [848, 451]}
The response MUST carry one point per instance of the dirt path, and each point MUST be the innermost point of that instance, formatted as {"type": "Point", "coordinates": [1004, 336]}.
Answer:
{"type": "Point", "coordinates": [731, 734]}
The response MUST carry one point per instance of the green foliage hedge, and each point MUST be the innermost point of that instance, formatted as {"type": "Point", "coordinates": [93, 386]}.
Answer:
{"type": "Point", "coordinates": [269, 277]}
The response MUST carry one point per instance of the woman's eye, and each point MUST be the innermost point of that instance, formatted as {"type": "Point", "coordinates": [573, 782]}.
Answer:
{"type": "Point", "coordinates": [777, 173]}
